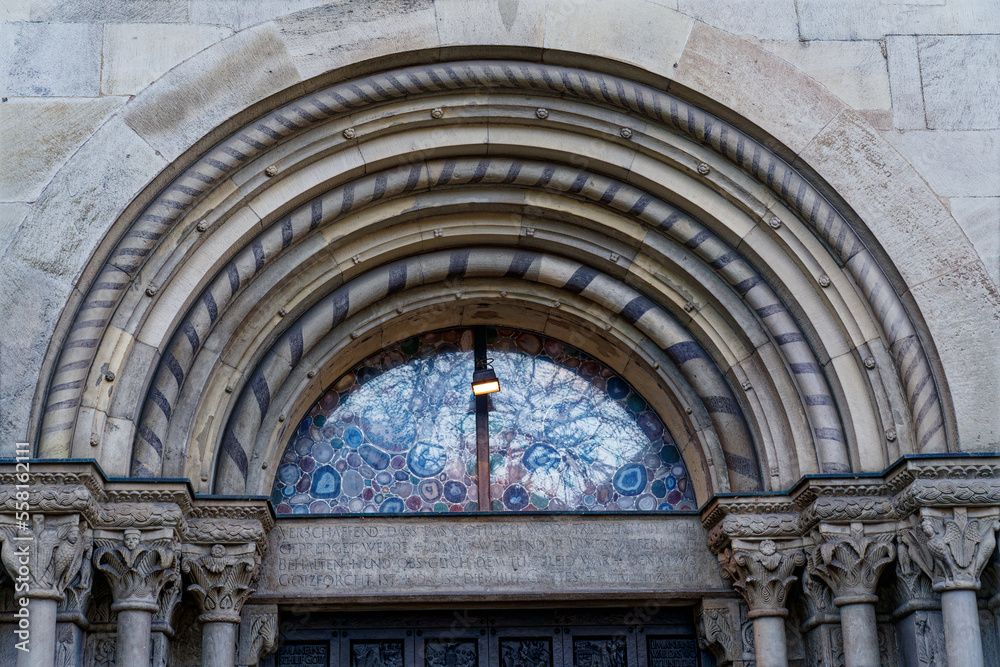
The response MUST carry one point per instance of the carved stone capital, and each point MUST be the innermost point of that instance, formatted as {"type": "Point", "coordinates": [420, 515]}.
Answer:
{"type": "Point", "coordinates": [817, 598]}
{"type": "Point", "coordinates": [224, 577]}
{"type": "Point", "coordinates": [257, 634]}
{"type": "Point", "coordinates": [48, 554]}
{"type": "Point", "coordinates": [850, 561]}
{"type": "Point", "coordinates": [761, 573]}
{"type": "Point", "coordinates": [912, 587]}
{"type": "Point", "coordinates": [719, 630]}
{"type": "Point", "coordinates": [953, 547]}
{"type": "Point", "coordinates": [137, 566]}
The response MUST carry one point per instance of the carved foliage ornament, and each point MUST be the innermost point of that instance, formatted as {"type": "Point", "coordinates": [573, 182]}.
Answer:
{"type": "Point", "coordinates": [715, 634]}
{"type": "Point", "coordinates": [762, 576]}
{"type": "Point", "coordinates": [851, 564]}
{"type": "Point", "coordinates": [136, 571]}
{"type": "Point", "coordinates": [222, 583]}
{"type": "Point", "coordinates": [953, 551]}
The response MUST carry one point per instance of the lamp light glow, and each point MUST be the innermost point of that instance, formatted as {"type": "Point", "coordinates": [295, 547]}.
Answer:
{"type": "Point", "coordinates": [484, 381]}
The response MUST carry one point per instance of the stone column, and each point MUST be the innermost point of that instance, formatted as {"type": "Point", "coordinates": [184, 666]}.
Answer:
{"type": "Point", "coordinates": [46, 557]}
{"type": "Point", "coordinates": [762, 573]}
{"type": "Point", "coordinates": [821, 620]}
{"type": "Point", "coordinates": [223, 578]}
{"type": "Point", "coordinates": [137, 568]}
{"type": "Point", "coordinates": [952, 547]}
{"type": "Point", "coordinates": [849, 561]}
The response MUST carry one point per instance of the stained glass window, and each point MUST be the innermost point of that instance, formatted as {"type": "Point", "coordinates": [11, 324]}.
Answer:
{"type": "Point", "coordinates": [398, 434]}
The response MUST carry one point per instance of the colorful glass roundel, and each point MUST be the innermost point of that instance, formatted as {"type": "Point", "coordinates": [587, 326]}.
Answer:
{"type": "Point", "coordinates": [398, 434]}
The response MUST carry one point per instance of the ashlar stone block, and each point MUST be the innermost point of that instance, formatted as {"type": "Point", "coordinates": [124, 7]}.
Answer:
{"type": "Point", "coordinates": [136, 54]}
{"type": "Point", "coordinates": [904, 83]}
{"type": "Point", "coordinates": [979, 217]}
{"type": "Point", "coordinates": [764, 19]}
{"type": "Point", "coordinates": [42, 59]}
{"type": "Point", "coordinates": [47, 132]}
{"type": "Point", "coordinates": [954, 163]}
{"type": "Point", "coordinates": [855, 72]}
{"type": "Point", "coordinates": [244, 13]}
{"type": "Point", "coordinates": [866, 19]}
{"type": "Point", "coordinates": [965, 101]}
{"type": "Point", "coordinates": [107, 11]}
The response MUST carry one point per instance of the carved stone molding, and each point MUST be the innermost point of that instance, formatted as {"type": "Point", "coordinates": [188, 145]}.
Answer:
{"type": "Point", "coordinates": [850, 561]}
{"type": "Point", "coordinates": [47, 554]}
{"type": "Point", "coordinates": [223, 580]}
{"type": "Point", "coordinates": [719, 630]}
{"type": "Point", "coordinates": [226, 530]}
{"type": "Point", "coordinates": [762, 574]}
{"type": "Point", "coordinates": [258, 634]}
{"type": "Point", "coordinates": [136, 569]}
{"type": "Point", "coordinates": [953, 547]}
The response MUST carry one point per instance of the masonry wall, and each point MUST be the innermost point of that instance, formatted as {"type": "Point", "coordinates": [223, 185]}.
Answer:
{"type": "Point", "coordinates": [925, 73]}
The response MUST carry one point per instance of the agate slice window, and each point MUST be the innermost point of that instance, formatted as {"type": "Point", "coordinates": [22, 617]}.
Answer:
{"type": "Point", "coordinates": [398, 434]}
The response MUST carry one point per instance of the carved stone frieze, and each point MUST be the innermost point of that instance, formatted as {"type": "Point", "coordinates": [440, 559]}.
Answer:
{"type": "Point", "coordinates": [48, 553]}
{"type": "Point", "coordinates": [222, 580]}
{"type": "Point", "coordinates": [258, 634]}
{"type": "Point", "coordinates": [145, 515]}
{"type": "Point", "coordinates": [762, 574]}
{"type": "Point", "coordinates": [850, 563]}
{"type": "Point", "coordinates": [952, 548]}
{"type": "Point", "coordinates": [225, 530]}
{"type": "Point", "coordinates": [136, 570]}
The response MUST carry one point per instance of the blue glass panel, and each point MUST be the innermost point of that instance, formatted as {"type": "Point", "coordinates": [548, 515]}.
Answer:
{"type": "Point", "coordinates": [397, 434]}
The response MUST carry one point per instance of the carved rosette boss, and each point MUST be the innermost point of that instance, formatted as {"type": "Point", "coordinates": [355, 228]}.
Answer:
{"type": "Point", "coordinates": [953, 550]}
{"type": "Point", "coordinates": [137, 571]}
{"type": "Point", "coordinates": [850, 564]}
{"type": "Point", "coordinates": [762, 575]}
{"type": "Point", "coordinates": [222, 582]}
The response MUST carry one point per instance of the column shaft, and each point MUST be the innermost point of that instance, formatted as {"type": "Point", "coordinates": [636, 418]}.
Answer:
{"type": "Point", "coordinates": [42, 613]}
{"type": "Point", "coordinates": [218, 644]}
{"type": "Point", "coordinates": [961, 628]}
{"type": "Point", "coordinates": [133, 638]}
{"type": "Point", "coordinates": [860, 635]}
{"type": "Point", "coordinates": [770, 647]}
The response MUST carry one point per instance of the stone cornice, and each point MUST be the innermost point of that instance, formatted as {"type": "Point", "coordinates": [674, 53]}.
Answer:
{"type": "Point", "coordinates": [912, 483]}
{"type": "Point", "coordinates": [75, 486]}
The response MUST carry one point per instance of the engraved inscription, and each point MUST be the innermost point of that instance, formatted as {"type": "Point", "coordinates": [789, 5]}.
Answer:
{"type": "Point", "coordinates": [388, 556]}
{"type": "Point", "coordinates": [313, 655]}
{"type": "Point", "coordinates": [672, 652]}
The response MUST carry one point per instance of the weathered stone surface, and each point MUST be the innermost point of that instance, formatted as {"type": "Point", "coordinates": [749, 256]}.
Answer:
{"type": "Point", "coordinates": [188, 102]}
{"type": "Point", "coordinates": [11, 217]}
{"type": "Point", "coordinates": [955, 164]}
{"type": "Point", "coordinates": [904, 83]}
{"type": "Point", "coordinates": [768, 19]}
{"type": "Point", "coordinates": [635, 32]}
{"type": "Point", "coordinates": [487, 557]}
{"type": "Point", "coordinates": [763, 88]}
{"type": "Point", "coordinates": [963, 102]}
{"type": "Point", "coordinates": [890, 197]}
{"type": "Point", "coordinates": [15, 10]}
{"type": "Point", "coordinates": [979, 217]}
{"type": "Point", "coordinates": [107, 11]}
{"type": "Point", "coordinates": [853, 71]}
{"type": "Point", "coordinates": [331, 37]}
{"type": "Point", "coordinates": [39, 59]}
{"type": "Point", "coordinates": [962, 311]}
{"type": "Point", "coordinates": [48, 132]}
{"type": "Point", "coordinates": [490, 22]}
{"type": "Point", "coordinates": [83, 200]}
{"type": "Point", "coordinates": [135, 55]}
{"type": "Point", "coordinates": [864, 19]}
{"type": "Point", "coordinates": [239, 15]}
{"type": "Point", "coordinates": [30, 302]}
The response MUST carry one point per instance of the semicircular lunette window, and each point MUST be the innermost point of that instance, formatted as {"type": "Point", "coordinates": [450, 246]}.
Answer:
{"type": "Point", "coordinates": [398, 434]}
